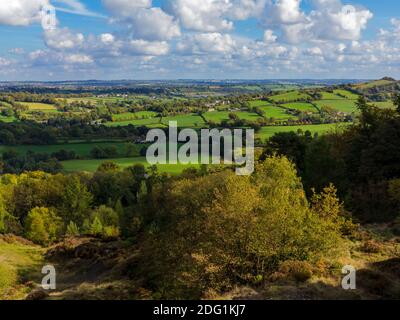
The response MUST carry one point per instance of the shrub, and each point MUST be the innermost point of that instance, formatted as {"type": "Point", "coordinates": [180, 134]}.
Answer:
{"type": "Point", "coordinates": [299, 271]}
{"type": "Point", "coordinates": [42, 225]}
{"type": "Point", "coordinates": [72, 230]}
{"type": "Point", "coordinates": [222, 229]}
{"type": "Point", "coordinates": [96, 228]}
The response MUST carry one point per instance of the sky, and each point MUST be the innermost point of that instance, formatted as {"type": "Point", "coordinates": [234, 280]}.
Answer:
{"type": "Point", "coordinates": [51, 40]}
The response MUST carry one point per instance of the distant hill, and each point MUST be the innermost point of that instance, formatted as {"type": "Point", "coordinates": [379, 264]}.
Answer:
{"type": "Point", "coordinates": [386, 81]}
{"type": "Point", "coordinates": [378, 90]}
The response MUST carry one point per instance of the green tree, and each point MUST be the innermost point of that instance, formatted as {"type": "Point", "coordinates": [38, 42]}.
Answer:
{"type": "Point", "coordinates": [42, 225]}
{"type": "Point", "coordinates": [108, 166]}
{"type": "Point", "coordinates": [76, 200]}
{"type": "Point", "coordinates": [96, 228]}
{"type": "Point", "coordinates": [72, 230]}
{"type": "Point", "coordinates": [396, 102]}
{"type": "Point", "coordinates": [107, 216]}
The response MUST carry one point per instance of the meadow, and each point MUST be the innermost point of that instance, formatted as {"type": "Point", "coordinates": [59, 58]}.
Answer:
{"type": "Point", "coordinates": [301, 106]}
{"type": "Point", "coordinates": [92, 165]}
{"type": "Point", "coordinates": [259, 103]}
{"type": "Point", "coordinates": [134, 115]}
{"type": "Point", "coordinates": [290, 96]}
{"type": "Point", "coordinates": [18, 261]}
{"type": "Point", "coordinates": [34, 106]}
{"type": "Point", "coordinates": [187, 120]}
{"type": "Point", "coordinates": [268, 132]}
{"type": "Point", "coordinates": [343, 105]}
{"type": "Point", "coordinates": [277, 113]}
{"type": "Point", "coordinates": [7, 119]}
{"type": "Point", "coordinates": [81, 149]}
{"type": "Point", "coordinates": [347, 94]}
{"type": "Point", "coordinates": [135, 122]}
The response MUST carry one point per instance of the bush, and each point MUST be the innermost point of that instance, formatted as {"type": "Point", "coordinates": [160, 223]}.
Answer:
{"type": "Point", "coordinates": [72, 230]}
{"type": "Point", "coordinates": [222, 229]}
{"type": "Point", "coordinates": [42, 225]}
{"type": "Point", "coordinates": [299, 271]}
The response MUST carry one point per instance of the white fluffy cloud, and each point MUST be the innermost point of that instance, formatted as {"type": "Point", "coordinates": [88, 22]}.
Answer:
{"type": "Point", "coordinates": [205, 36]}
{"type": "Point", "coordinates": [329, 20]}
{"type": "Point", "coordinates": [203, 15]}
{"type": "Point", "coordinates": [333, 20]}
{"type": "Point", "coordinates": [153, 24]}
{"type": "Point", "coordinates": [21, 12]}
{"type": "Point", "coordinates": [63, 39]}
{"type": "Point", "coordinates": [148, 48]}
{"type": "Point", "coordinates": [78, 59]}
{"type": "Point", "coordinates": [269, 36]}
{"type": "Point", "coordinates": [208, 43]}
{"type": "Point", "coordinates": [244, 9]}
{"type": "Point", "coordinates": [284, 12]}
{"type": "Point", "coordinates": [4, 62]}
{"type": "Point", "coordinates": [142, 20]}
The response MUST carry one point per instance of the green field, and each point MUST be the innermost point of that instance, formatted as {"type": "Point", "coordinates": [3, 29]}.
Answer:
{"type": "Point", "coordinates": [349, 95]}
{"type": "Point", "coordinates": [330, 96]}
{"type": "Point", "coordinates": [290, 96]}
{"type": "Point", "coordinates": [384, 104]}
{"type": "Point", "coordinates": [219, 116]}
{"type": "Point", "coordinates": [137, 122]}
{"type": "Point", "coordinates": [190, 121]}
{"type": "Point", "coordinates": [134, 116]}
{"type": "Point", "coordinates": [33, 106]}
{"type": "Point", "coordinates": [92, 165]}
{"type": "Point", "coordinates": [372, 84]}
{"type": "Point", "coordinates": [81, 149]}
{"type": "Point", "coordinates": [7, 119]}
{"type": "Point", "coordinates": [18, 261]}
{"type": "Point", "coordinates": [347, 106]}
{"type": "Point", "coordinates": [277, 113]}
{"type": "Point", "coordinates": [301, 106]}
{"type": "Point", "coordinates": [268, 132]}
{"type": "Point", "coordinates": [259, 103]}
{"type": "Point", "coordinates": [93, 100]}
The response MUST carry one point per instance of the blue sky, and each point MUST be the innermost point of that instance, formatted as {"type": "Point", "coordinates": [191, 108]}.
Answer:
{"type": "Point", "coordinates": [170, 39]}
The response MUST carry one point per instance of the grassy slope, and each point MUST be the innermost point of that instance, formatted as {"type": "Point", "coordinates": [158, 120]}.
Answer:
{"type": "Point", "coordinates": [190, 120]}
{"type": "Point", "coordinates": [19, 263]}
{"type": "Point", "coordinates": [33, 106]}
{"type": "Point", "coordinates": [301, 106]}
{"type": "Point", "coordinates": [289, 96]}
{"type": "Point", "coordinates": [268, 132]}
{"type": "Point", "coordinates": [344, 105]}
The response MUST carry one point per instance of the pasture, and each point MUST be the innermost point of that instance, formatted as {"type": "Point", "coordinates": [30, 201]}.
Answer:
{"type": "Point", "coordinates": [277, 113]}
{"type": "Point", "coordinates": [343, 105]}
{"type": "Point", "coordinates": [347, 94]}
{"type": "Point", "coordinates": [301, 106]}
{"type": "Point", "coordinates": [81, 149]}
{"type": "Point", "coordinates": [268, 132]}
{"type": "Point", "coordinates": [330, 96]}
{"type": "Point", "coordinates": [42, 107]}
{"type": "Point", "coordinates": [219, 116]}
{"type": "Point", "coordinates": [7, 119]}
{"type": "Point", "coordinates": [187, 120]}
{"type": "Point", "coordinates": [383, 104]}
{"type": "Point", "coordinates": [136, 122]}
{"type": "Point", "coordinates": [92, 165]}
{"type": "Point", "coordinates": [290, 97]}
{"type": "Point", "coordinates": [259, 103]}
{"type": "Point", "coordinates": [134, 116]}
